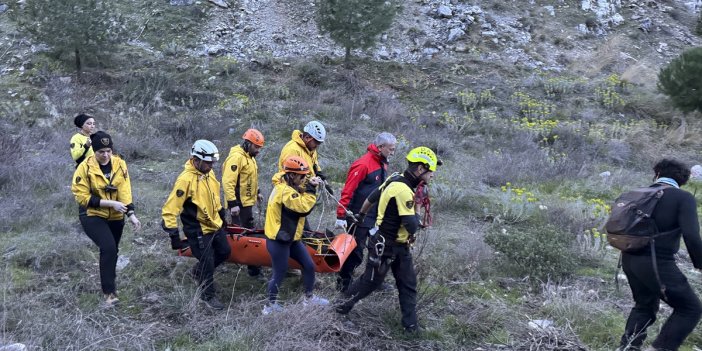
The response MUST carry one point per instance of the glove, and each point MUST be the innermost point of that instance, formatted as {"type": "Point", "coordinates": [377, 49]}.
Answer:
{"type": "Point", "coordinates": [340, 223]}
{"type": "Point", "coordinates": [310, 188]}
{"type": "Point", "coordinates": [321, 175]}
{"type": "Point", "coordinates": [359, 217]}
{"type": "Point", "coordinates": [176, 243]}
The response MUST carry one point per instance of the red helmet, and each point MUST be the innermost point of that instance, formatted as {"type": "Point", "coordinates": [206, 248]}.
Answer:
{"type": "Point", "coordinates": [296, 164]}
{"type": "Point", "coordinates": [254, 136]}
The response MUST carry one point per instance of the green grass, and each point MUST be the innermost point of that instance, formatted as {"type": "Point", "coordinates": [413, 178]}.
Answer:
{"type": "Point", "coordinates": [165, 100]}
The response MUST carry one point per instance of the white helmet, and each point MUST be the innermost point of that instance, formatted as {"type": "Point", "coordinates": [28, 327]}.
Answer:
{"type": "Point", "coordinates": [205, 150]}
{"type": "Point", "coordinates": [316, 130]}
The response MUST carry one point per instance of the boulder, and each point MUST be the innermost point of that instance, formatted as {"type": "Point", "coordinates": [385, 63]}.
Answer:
{"type": "Point", "coordinates": [383, 53]}
{"type": "Point", "coordinates": [221, 3]}
{"type": "Point", "coordinates": [455, 34]}
{"type": "Point", "coordinates": [444, 11]}
{"type": "Point", "coordinates": [14, 347]}
{"type": "Point", "coordinates": [182, 2]}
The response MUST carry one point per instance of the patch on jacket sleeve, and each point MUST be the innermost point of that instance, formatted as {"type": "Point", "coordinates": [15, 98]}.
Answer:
{"type": "Point", "coordinates": [409, 204]}
{"type": "Point", "coordinates": [295, 196]}
{"type": "Point", "coordinates": [78, 179]}
{"type": "Point", "coordinates": [72, 145]}
{"type": "Point", "coordinates": [180, 193]}
{"type": "Point", "coordinates": [233, 168]}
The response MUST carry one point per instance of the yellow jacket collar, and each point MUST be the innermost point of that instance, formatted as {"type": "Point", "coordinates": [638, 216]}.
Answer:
{"type": "Point", "coordinates": [297, 138]}
{"type": "Point", "coordinates": [191, 169]}
{"type": "Point", "coordinates": [239, 150]}
{"type": "Point", "coordinates": [94, 166]}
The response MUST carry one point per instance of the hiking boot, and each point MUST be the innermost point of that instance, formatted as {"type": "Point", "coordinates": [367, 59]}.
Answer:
{"type": "Point", "coordinates": [272, 308]}
{"type": "Point", "coordinates": [214, 303]}
{"type": "Point", "coordinates": [413, 329]}
{"type": "Point", "coordinates": [385, 287]}
{"type": "Point", "coordinates": [315, 300]}
{"type": "Point", "coordinates": [343, 308]}
{"type": "Point", "coordinates": [111, 300]}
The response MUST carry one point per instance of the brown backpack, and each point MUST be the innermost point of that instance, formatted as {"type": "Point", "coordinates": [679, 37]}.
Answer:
{"type": "Point", "coordinates": [630, 226]}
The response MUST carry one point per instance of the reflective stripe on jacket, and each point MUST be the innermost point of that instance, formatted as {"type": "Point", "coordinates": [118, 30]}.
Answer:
{"type": "Point", "coordinates": [286, 211]}
{"type": "Point", "coordinates": [195, 197]}
{"type": "Point", "coordinates": [89, 183]}
{"type": "Point", "coordinates": [240, 178]}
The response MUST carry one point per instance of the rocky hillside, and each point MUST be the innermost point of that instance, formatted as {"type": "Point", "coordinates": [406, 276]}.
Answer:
{"type": "Point", "coordinates": [543, 111]}
{"type": "Point", "coordinates": [549, 35]}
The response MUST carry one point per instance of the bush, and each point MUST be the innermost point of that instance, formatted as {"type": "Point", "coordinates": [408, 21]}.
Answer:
{"type": "Point", "coordinates": [681, 80]}
{"type": "Point", "coordinates": [543, 252]}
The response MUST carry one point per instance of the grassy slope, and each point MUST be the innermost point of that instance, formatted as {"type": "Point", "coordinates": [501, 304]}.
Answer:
{"type": "Point", "coordinates": [468, 299]}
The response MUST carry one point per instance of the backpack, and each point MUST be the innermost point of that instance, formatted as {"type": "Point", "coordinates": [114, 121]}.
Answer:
{"type": "Point", "coordinates": [630, 226]}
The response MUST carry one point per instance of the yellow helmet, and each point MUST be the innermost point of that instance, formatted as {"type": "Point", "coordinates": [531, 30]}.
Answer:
{"type": "Point", "coordinates": [424, 155]}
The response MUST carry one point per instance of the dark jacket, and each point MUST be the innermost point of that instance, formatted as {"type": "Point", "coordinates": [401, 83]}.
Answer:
{"type": "Point", "coordinates": [365, 175]}
{"type": "Point", "coordinates": [677, 209]}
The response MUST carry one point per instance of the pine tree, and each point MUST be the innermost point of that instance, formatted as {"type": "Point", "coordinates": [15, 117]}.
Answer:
{"type": "Point", "coordinates": [82, 27]}
{"type": "Point", "coordinates": [681, 80]}
{"type": "Point", "coordinates": [355, 24]}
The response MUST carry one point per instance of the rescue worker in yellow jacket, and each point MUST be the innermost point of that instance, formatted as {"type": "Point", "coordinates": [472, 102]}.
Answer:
{"type": "Point", "coordinates": [240, 183]}
{"type": "Point", "coordinates": [195, 198]}
{"type": "Point", "coordinates": [304, 144]}
{"type": "Point", "coordinates": [101, 184]}
{"type": "Point", "coordinates": [290, 201]}
{"type": "Point", "coordinates": [389, 245]}
{"type": "Point", "coordinates": [80, 142]}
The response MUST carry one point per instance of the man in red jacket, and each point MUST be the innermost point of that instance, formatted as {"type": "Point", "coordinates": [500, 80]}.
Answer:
{"type": "Point", "coordinates": [365, 175]}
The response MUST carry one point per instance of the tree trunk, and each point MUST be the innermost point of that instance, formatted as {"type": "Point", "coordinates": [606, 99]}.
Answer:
{"type": "Point", "coordinates": [78, 67]}
{"type": "Point", "coordinates": [347, 58]}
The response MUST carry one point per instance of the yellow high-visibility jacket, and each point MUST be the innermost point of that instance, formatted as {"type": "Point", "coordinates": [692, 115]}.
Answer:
{"type": "Point", "coordinates": [286, 211]}
{"type": "Point", "coordinates": [240, 178]}
{"type": "Point", "coordinates": [79, 150]}
{"type": "Point", "coordinates": [396, 201]}
{"type": "Point", "coordinates": [296, 147]}
{"type": "Point", "coordinates": [89, 183]}
{"type": "Point", "coordinates": [195, 197]}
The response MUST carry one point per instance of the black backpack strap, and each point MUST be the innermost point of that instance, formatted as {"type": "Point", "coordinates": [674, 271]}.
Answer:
{"type": "Point", "coordinates": [616, 272]}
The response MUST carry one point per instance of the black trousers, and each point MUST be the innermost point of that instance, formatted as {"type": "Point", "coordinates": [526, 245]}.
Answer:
{"type": "Point", "coordinates": [106, 235]}
{"type": "Point", "coordinates": [246, 220]}
{"type": "Point", "coordinates": [647, 295]}
{"type": "Point", "coordinates": [214, 250]}
{"type": "Point", "coordinates": [280, 252]}
{"type": "Point", "coordinates": [399, 260]}
{"type": "Point", "coordinates": [355, 258]}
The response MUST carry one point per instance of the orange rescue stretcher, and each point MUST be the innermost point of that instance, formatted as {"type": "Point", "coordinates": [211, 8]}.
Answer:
{"type": "Point", "coordinates": [329, 251]}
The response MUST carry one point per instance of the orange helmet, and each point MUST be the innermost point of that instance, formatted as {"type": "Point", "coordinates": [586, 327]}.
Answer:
{"type": "Point", "coordinates": [254, 136]}
{"type": "Point", "coordinates": [296, 164]}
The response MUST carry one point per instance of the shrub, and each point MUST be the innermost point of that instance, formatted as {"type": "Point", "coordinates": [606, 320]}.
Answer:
{"type": "Point", "coordinates": [681, 80]}
{"type": "Point", "coordinates": [542, 252]}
